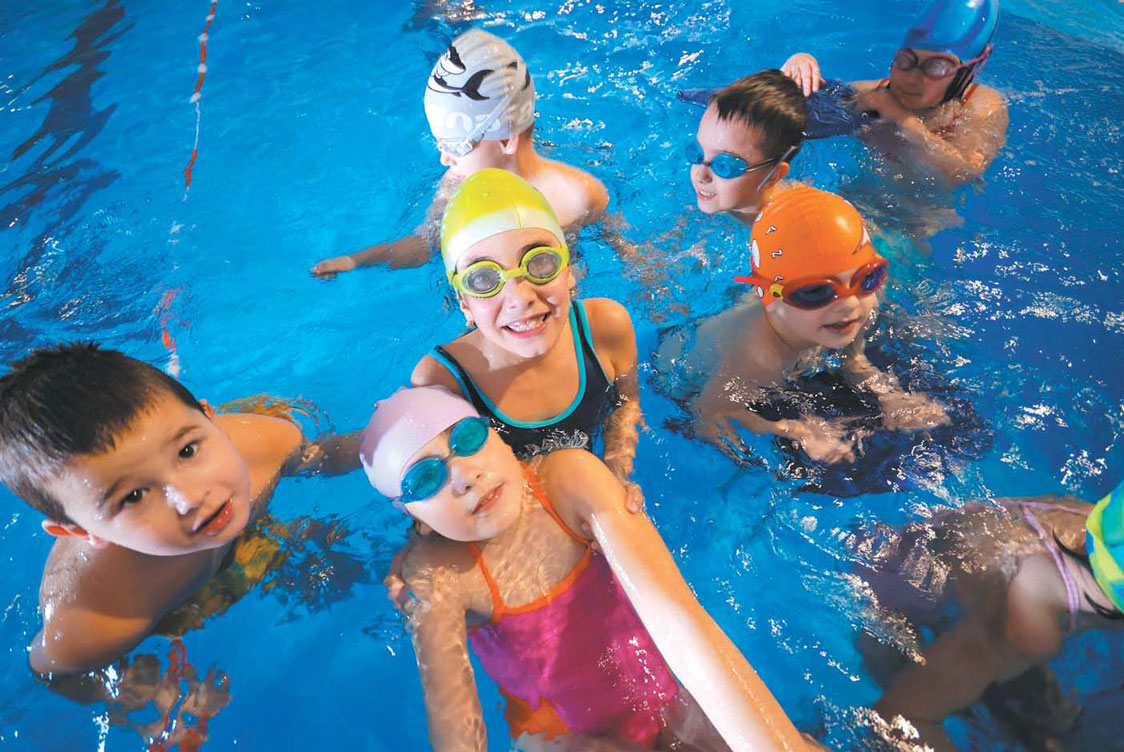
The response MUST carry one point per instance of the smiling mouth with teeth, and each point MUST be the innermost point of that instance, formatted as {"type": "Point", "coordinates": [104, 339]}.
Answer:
{"type": "Point", "coordinates": [528, 324]}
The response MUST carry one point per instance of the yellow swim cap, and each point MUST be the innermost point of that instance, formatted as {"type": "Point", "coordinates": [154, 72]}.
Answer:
{"type": "Point", "coordinates": [1104, 543]}
{"type": "Point", "coordinates": [487, 203]}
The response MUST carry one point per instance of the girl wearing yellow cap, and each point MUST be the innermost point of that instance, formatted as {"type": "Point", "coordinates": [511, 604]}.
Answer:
{"type": "Point", "coordinates": [1015, 580]}
{"type": "Point", "coordinates": [550, 372]}
{"type": "Point", "coordinates": [817, 278]}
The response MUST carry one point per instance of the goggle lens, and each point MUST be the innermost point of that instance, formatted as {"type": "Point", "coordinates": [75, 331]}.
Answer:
{"type": "Point", "coordinates": [426, 477]}
{"type": "Point", "coordinates": [872, 279]}
{"type": "Point", "coordinates": [725, 166]}
{"type": "Point", "coordinates": [486, 278]}
{"type": "Point", "coordinates": [933, 67]}
{"type": "Point", "coordinates": [483, 280]}
{"type": "Point", "coordinates": [812, 296]}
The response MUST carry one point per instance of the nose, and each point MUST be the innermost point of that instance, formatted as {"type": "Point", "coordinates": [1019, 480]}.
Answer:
{"type": "Point", "coordinates": [701, 173]}
{"type": "Point", "coordinates": [518, 293]}
{"type": "Point", "coordinates": [182, 498]}
{"type": "Point", "coordinates": [447, 159]}
{"type": "Point", "coordinates": [465, 474]}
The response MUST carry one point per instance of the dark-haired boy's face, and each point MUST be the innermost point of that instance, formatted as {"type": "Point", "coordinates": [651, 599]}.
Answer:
{"type": "Point", "coordinates": [739, 195]}
{"type": "Point", "coordinates": [172, 484]}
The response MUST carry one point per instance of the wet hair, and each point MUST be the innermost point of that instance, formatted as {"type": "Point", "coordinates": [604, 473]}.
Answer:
{"type": "Point", "coordinates": [1082, 558]}
{"type": "Point", "coordinates": [770, 102]}
{"type": "Point", "coordinates": [70, 400]}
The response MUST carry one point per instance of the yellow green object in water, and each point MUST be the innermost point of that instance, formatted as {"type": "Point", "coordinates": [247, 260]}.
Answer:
{"type": "Point", "coordinates": [1104, 542]}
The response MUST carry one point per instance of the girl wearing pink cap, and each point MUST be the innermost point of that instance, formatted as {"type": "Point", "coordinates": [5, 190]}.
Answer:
{"type": "Point", "coordinates": [581, 643]}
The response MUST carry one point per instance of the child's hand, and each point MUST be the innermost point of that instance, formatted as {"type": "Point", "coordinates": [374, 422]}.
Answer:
{"type": "Point", "coordinates": [328, 268]}
{"type": "Point", "coordinates": [823, 441]}
{"type": "Point", "coordinates": [804, 70]}
{"type": "Point", "coordinates": [902, 411]}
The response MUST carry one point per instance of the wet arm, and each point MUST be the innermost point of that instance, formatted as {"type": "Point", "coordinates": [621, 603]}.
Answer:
{"type": "Point", "coordinates": [333, 454]}
{"type": "Point", "coordinates": [78, 641]}
{"type": "Point", "coordinates": [615, 338]}
{"type": "Point", "coordinates": [731, 694]}
{"type": "Point", "coordinates": [452, 706]}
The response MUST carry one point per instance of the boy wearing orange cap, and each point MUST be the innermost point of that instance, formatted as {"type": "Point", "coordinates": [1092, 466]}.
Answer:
{"type": "Point", "coordinates": [817, 276]}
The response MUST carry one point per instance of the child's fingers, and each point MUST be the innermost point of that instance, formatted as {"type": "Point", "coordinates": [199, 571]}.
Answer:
{"type": "Point", "coordinates": [634, 498]}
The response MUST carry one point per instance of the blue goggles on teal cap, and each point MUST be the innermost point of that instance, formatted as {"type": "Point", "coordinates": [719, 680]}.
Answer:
{"type": "Point", "coordinates": [427, 476]}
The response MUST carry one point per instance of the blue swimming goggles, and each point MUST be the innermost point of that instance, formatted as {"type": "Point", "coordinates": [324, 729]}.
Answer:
{"type": "Point", "coordinates": [427, 476]}
{"type": "Point", "coordinates": [725, 166]}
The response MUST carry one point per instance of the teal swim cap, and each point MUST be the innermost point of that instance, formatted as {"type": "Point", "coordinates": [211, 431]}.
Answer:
{"type": "Point", "coordinates": [962, 27]}
{"type": "Point", "coordinates": [1104, 543]}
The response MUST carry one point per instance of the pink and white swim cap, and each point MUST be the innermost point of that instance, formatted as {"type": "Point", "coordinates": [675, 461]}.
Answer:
{"type": "Point", "coordinates": [402, 424]}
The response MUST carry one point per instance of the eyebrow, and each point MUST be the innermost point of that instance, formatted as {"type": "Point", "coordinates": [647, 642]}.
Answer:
{"type": "Point", "coordinates": [115, 485]}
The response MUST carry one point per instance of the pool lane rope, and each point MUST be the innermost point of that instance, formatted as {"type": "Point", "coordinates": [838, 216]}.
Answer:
{"type": "Point", "coordinates": [197, 95]}
{"type": "Point", "coordinates": [163, 308]}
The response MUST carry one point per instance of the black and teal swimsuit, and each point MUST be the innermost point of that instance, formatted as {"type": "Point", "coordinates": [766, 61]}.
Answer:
{"type": "Point", "coordinates": [578, 426]}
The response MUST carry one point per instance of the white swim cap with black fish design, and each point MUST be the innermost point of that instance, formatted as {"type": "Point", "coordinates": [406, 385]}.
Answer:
{"type": "Point", "coordinates": [480, 89]}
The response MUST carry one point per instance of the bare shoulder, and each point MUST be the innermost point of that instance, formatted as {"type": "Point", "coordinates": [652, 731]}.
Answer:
{"type": "Point", "coordinates": [750, 354]}
{"type": "Point", "coordinates": [93, 608]}
{"type": "Point", "coordinates": [262, 440]}
{"type": "Point", "coordinates": [578, 483]}
{"type": "Point", "coordinates": [577, 197]}
{"type": "Point", "coordinates": [435, 567]}
{"type": "Point", "coordinates": [987, 102]}
{"type": "Point", "coordinates": [430, 372]}
{"type": "Point", "coordinates": [612, 332]}
{"type": "Point", "coordinates": [864, 86]}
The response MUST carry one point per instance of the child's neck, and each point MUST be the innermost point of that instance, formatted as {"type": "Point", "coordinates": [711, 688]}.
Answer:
{"type": "Point", "coordinates": [527, 163]}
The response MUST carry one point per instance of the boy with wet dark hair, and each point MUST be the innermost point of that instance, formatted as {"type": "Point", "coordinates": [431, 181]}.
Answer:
{"type": "Point", "coordinates": [145, 487]}
{"type": "Point", "coordinates": [745, 143]}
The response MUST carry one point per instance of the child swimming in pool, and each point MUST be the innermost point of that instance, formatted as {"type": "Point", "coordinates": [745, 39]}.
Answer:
{"type": "Point", "coordinates": [145, 488]}
{"type": "Point", "coordinates": [930, 110]}
{"type": "Point", "coordinates": [745, 143]}
{"type": "Point", "coordinates": [817, 278]}
{"type": "Point", "coordinates": [551, 372]}
{"type": "Point", "coordinates": [581, 642]}
{"type": "Point", "coordinates": [1024, 576]}
{"type": "Point", "coordinates": [480, 103]}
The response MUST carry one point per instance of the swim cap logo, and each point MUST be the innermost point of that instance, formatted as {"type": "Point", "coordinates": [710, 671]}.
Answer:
{"type": "Point", "coordinates": [755, 255]}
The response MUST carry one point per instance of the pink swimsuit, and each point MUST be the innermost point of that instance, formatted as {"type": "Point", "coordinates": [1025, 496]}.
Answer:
{"type": "Point", "coordinates": [577, 659]}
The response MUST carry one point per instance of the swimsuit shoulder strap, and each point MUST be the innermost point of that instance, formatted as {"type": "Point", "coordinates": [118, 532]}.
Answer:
{"type": "Point", "coordinates": [468, 387]}
{"type": "Point", "coordinates": [969, 92]}
{"type": "Point", "coordinates": [585, 338]}
{"type": "Point", "coordinates": [498, 605]}
{"type": "Point", "coordinates": [882, 83]}
{"type": "Point", "coordinates": [536, 489]}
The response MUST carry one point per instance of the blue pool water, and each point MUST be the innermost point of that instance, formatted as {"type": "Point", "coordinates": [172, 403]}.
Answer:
{"type": "Point", "coordinates": [312, 142]}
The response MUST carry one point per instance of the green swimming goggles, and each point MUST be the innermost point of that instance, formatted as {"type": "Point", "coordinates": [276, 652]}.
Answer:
{"type": "Point", "coordinates": [486, 278]}
{"type": "Point", "coordinates": [427, 476]}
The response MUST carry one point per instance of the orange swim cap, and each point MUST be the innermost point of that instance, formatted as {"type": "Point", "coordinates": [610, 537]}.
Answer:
{"type": "Point", "coordinates": [805, 232]}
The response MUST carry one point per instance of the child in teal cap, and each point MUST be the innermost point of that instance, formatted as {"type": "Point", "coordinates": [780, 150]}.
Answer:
{"type": "Point", "coordinates": [930, 112]}
{"type": "Point", "coordinates": [1023, 576]}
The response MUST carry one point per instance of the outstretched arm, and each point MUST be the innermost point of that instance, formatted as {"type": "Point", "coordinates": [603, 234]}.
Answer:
{"type": "Point", "coordinates": [412, 250]}
{"type": "Point", "coordinates": [727, 688]}
{"type": "Point", "coordinates": [332, 454]}
{"type": "Point", "coordinates": [452, 706]}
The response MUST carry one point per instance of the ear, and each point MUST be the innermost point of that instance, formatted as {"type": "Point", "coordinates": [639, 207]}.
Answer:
{"type": "Point", "coordinates": [464, 309]}
{"type": "Point", "coordinates": [207, 409]}
{"type": "Point", "coordinates": [70, 530]}
{"type": "Point", "coordinates": [510, 145]}
{"type": "Point", "coordinates": [779, 174]}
